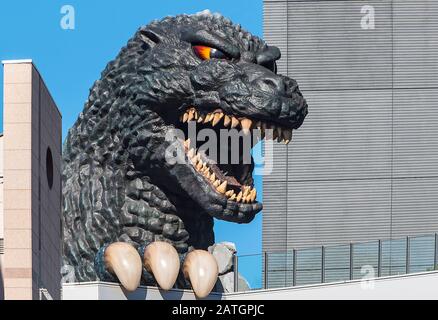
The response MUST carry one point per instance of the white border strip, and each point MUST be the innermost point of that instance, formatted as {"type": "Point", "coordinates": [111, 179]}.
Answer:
{"type": "Point", "coordinates": [16, 61]}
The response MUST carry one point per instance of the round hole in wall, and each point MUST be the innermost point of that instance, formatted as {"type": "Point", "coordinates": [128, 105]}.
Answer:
{"type": "Point", "coordinates": [49, 167]}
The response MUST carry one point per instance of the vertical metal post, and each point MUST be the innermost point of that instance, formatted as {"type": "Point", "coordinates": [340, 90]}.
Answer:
{"type": "Point", "coordinates": [294, 267]}
{"type": "Point", "coordinates": [266, 270]}
{"type": "Point", "coordinates": [379, 259]}
{"type": "Point", "coordinates": [435, 254]}
{"type": "Point", "coordinates": [408, 258]}
{"type": "Point", "coordinates": [322, 264]}
{"type": "Point", "coordinates": [236, 273]}
{"type": "Point", "coordinates": [351, 261]}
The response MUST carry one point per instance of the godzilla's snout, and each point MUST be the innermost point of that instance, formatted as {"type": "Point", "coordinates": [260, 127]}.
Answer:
{"type": "Point", "coordinates": [276, 96]}
{"type": "Point", "coordinates": [294, 108]}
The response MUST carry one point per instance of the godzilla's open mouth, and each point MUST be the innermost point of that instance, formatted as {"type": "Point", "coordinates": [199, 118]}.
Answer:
{"type": "Point", "coordinates": [229, 175]}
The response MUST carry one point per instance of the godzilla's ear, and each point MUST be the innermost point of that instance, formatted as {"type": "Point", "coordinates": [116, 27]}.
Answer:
{"type": "Point", "coordinates": [150, 37]}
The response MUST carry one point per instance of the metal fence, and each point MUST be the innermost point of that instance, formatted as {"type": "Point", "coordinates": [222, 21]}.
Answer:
{"type": "Point", "coordinates": [351, 261]}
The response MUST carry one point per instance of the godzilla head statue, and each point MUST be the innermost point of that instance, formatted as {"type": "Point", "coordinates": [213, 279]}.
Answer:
{"type": "Point", "coordinates": [118, 186]}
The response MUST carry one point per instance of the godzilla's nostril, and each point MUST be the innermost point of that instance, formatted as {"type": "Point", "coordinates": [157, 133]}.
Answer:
{"type": "Point", "coordinates": [270, 82]}
{"type": "Point", "coordinates": [276, 84]}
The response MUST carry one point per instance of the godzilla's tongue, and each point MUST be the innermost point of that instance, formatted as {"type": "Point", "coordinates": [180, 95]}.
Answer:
{"type": "Point", "coordinates": [232, 181]}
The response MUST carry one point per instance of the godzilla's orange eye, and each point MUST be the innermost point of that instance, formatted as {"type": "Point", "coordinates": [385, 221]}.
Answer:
{"type": "Point", "coordinates": [207, 53]}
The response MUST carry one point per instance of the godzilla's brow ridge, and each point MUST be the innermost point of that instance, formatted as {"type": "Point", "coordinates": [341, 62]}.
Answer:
{"type": "Point", "coordinates": [206, 38]}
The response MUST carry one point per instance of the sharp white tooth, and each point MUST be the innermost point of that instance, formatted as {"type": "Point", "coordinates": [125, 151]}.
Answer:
{"type": "Point", "coordinates": [223, 187]}
{"type": "Point", "coordinates": [239, 196]}
{"type": "Point", "coordinates": [217, 117]}
{"type": "Point", "coordinates": [227, 121]}
{"type": "Point", "coordinates": [253, 195]}
{"type": "Point", "coordinates": [207, 118]}
{"type": "Point", "coordinates": [207, 174]}
{"type": "Point", "coordinates": [246, 125]}
{"type": "Point", "coordinates": [187, 144]}
{"type": "Point", "coordinates": [191, 115]}
{"type": "Point", "coordinates": [195, 114]}
{"type": "Point", "coordinates": [234, 122]}
{"type": "Point", "coordinates": [233, 197]}
{"type": "Point", "coordinates": [185, 117]}
{"type": "Point", "coordinates": [123, 261]}
{"type": "Point", "coordinates": [216, 183]}
{"type": "Point", "coordinates": [213, 177]}
{"type": "Point", "coordinates": [200, 268]}
{"type": "Point", "coordinates": [245, 191]}
{"type": "Point", "coordinates": [191, 153]}
{"type": "Point", "coordinates": [211, 117]}
{"type": "Point", "coordinates": [229, 193]}
{"type": "Point", "coordinates": [201, 118]}
{"type": "Point", "coordinates": [161, 259]}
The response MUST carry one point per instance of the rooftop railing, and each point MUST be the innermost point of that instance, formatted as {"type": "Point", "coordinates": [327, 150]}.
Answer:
{"type": "Point", "coordinates": [325, 264]}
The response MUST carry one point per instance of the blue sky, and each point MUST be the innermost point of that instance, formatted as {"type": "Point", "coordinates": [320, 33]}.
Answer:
{"type": "Point", "coordinates": [71, 60]}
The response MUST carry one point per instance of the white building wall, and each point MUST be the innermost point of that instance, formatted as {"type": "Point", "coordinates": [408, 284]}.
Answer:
{"type": "Point", "coordinates": [418, 286]}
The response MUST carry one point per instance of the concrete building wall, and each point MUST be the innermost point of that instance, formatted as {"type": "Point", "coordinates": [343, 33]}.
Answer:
{"type": "Point", "coordinates": [364, 164]}
{"type": "Point", "coordinates": [32, 125]}
{"type": "Point", "coordinates": [1, 220]}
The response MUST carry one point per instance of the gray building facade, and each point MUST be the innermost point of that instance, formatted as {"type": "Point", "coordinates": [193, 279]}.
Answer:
{"type": "Point", "coordinates": [364, 165]}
